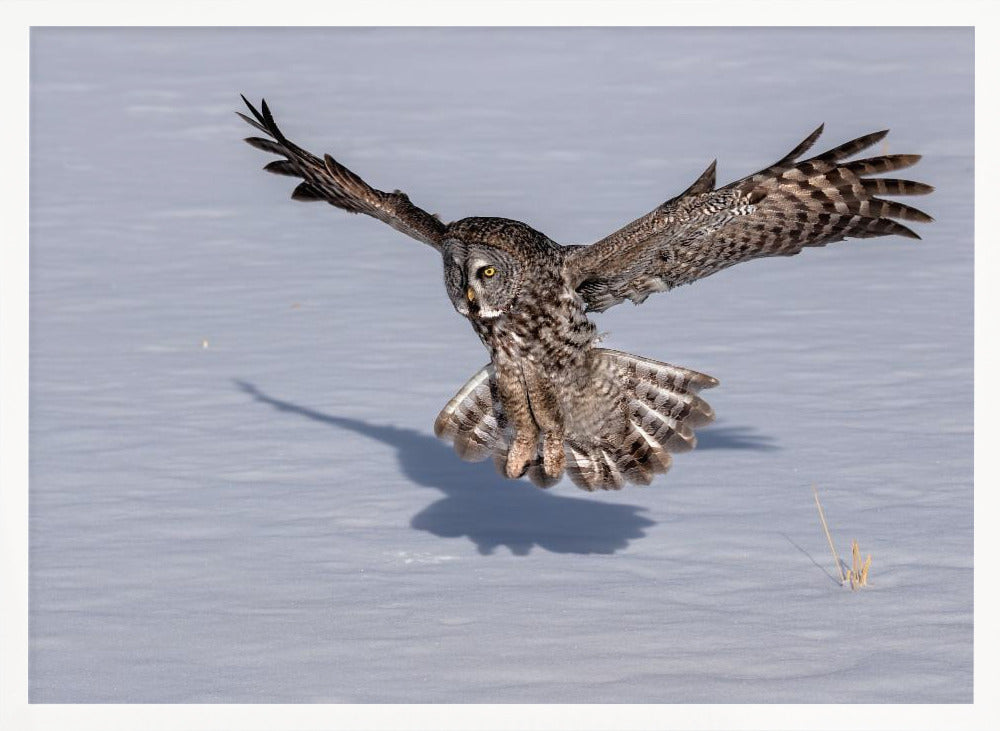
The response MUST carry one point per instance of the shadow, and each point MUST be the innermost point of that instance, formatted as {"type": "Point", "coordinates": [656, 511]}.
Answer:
{"type": "Point", "coordinates": [807, 555]}
{"type": "Point", "coordinates": [734, 437]}
{"type": "Point", "coordinates": [490, 510]}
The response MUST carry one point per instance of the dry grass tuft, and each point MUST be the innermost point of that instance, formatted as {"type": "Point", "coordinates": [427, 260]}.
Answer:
{"type": "Point", "coordinates": [859, 571]}
{"type": "Point", "coordinates": [857, 577]}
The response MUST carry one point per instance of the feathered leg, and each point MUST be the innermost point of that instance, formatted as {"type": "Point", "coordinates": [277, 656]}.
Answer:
{"type": "Point", "coordinates": [548, 416]}
{"type": "Point", "coordinates": [514, 398]}
{"type": "Point", "coordinates": [632, 416]}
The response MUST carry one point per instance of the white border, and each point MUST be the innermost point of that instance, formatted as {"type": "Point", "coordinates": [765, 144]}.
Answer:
{"type": "Point", "coordinates": [17, 16]}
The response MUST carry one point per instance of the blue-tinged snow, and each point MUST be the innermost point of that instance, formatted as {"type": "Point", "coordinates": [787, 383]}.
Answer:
{"type": "Point", "coordinates": [235, 492]}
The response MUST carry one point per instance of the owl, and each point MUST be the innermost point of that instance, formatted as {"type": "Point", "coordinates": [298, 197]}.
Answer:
{"type": "Point", "coordinates": [550, 401]}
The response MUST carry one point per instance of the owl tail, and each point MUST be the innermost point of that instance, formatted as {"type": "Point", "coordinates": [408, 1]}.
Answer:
{"type": "Point", "coordinates": [662, 407]}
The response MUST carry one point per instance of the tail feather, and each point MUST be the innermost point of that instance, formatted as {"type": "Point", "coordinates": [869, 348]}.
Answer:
{"type": "Point", "coordinates": [674, 435]}
{"type": "Point", "coordinates": [635, 457]}
{"type": "Point", "coordinates": [663, 375]}
{"type": "Point", "coordinates": [657, 457]}
{"type": "Point", "coordinates": [611, 474]}
{"type": "Point", "coordinates": [582, 465]}
{"type": "Point", "coordinates": [473, 420]}
{"type": "Point", "coordinates": [591, 467]}
{"type": "Point", "coordinates": [662, 407]}
{"type": "Point", "coordinates": [660, 410]}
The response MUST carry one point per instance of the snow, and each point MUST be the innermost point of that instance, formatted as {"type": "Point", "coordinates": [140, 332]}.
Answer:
{"type": "Point", "coordinates": [235, 492]}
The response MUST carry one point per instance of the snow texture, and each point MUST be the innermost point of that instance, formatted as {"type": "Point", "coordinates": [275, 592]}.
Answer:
{"type": "Point", "coordinates": [235, 492]}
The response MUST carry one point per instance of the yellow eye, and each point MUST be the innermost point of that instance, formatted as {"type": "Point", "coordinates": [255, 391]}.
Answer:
{"type": "Point", "coordinates": [489, 271]}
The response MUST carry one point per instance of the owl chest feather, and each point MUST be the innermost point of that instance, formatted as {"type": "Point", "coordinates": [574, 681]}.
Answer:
{"type": "Point", "coordinates": [551, 355]}
{"type": "Point", "coordinates": [543, 350]}
{"type": "Point", "coordinates": [545, 329]}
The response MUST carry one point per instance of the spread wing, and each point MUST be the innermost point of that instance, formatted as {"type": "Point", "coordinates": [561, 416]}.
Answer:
{"type": "Point", "coordinates": [775, 212]}
{"type": "Point", "coordinates": [328, 180]}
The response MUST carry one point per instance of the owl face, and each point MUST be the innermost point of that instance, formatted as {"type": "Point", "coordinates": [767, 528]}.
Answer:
{"type": "Point", "coordinates": [482, 281]}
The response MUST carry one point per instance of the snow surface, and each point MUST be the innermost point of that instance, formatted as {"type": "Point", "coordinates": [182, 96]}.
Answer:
{"type": "Point", "coordinates": [235, 492]}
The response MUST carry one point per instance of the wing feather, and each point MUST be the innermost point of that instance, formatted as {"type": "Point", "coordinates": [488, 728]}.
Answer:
{"type": "Point", "coordinates": [704, 183]}
{"type": "Point", "coordinates": [775, 212]}
{"type": "Point", "coordinates": [328, 180]}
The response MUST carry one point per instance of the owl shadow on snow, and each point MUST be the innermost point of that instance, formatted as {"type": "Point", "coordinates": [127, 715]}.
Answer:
{"type": "Point", "coordinates": [493, 511]}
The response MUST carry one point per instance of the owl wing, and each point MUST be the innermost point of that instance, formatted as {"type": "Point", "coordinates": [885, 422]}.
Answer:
{"type": "Point", "coordinates": [328, 180]}
{"type": "Point", "coordinates": [775, 212]}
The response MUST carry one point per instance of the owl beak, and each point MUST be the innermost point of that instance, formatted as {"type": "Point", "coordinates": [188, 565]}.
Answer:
{"type": "Point", "coordinates": [471, 295]}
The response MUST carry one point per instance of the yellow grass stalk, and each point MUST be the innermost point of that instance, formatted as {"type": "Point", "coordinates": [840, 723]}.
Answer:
{"type": "Point", "coordinates": [859, 570]}
{"type": "Point", "coordinates": [829, 539]}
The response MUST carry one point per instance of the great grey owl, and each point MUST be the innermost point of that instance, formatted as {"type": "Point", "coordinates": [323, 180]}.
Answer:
{"type": "Point", "coordinates": [550, 400]}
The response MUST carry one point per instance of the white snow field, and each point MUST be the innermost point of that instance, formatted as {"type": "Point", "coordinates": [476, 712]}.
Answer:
{"type": "Point", "coordinates": [235, 491]}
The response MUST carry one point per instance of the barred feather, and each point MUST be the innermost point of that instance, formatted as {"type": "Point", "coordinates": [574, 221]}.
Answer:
{"type": "Point", "coordinates": [778, 211]}
{"type": "Point", "coordinates": [663, 406]}
{"type": "Point", "coordinates": [892, 186]}
{"type": "Point", "coordinates": [842, 152]}
{"type": "Point", "coordinates": [884, 164]}
{"type": "Point", "coordinates": [327, 180]}
{"type": "Point", "coordinates": [473, 419]}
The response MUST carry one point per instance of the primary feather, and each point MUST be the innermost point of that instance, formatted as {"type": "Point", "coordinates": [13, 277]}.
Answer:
{"type": "Point", "coordinates": [775, 212]}
{"type": "Point", "coordinates": [328, 180]}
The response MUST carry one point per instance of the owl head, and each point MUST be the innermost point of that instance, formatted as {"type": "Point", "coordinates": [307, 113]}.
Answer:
{"type": "Point", "coordinates": [485, 260]}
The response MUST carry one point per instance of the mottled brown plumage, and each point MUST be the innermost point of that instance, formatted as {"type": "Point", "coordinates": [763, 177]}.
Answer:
{"type": "Point", "coordinates": [550, 401]}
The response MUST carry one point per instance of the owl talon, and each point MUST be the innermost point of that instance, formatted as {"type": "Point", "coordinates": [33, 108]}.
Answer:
{"type": "Point", "coordinates": [553, 457]}
{"type": "Point", "coordinates": [517, 469]}
{"type": "Point", "coordinates": [519, 458]}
